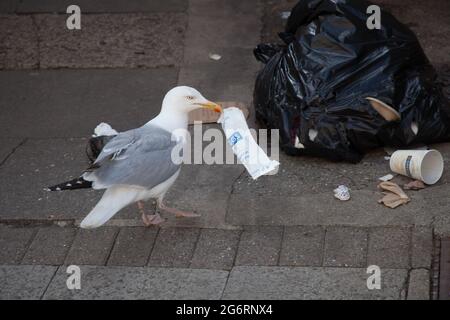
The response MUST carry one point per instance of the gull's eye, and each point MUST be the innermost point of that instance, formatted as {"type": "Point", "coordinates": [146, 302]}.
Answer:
{"type": "Point", "coordinates": [190, 97]}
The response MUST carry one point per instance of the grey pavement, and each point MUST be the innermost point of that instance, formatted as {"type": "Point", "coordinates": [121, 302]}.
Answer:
{"type": "Point", "coordinates": [311, 283]}
{"type": "Point", "coordinates": [208, 248]}
{"type": "Point", "coordinates": [140, 283]}
{"type": "Point", "coordinates": [98, 6]}
{"type": "Point", "coordinates": [241, 283]}
{"type": "Point", "coordinates": [70, 103]}
{"type": "Point", "coordinates": [25, 282]}
{"type": "Point", "coordinates": [280, 237]}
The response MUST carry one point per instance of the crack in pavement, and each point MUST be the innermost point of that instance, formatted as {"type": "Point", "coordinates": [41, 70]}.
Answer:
{"type": "Point", "coordinates": [13, 151]}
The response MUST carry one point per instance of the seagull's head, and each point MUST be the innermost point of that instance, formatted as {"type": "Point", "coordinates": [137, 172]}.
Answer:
{"type": "Point", "coordinates": [186, 99]}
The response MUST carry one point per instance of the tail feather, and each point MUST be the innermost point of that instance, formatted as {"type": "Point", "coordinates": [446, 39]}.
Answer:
{"type": "Point", "coordinates": [113, 200]}
{"type": "Point", "coordinates": [77, 183]}
{"type": "Point", "coordinates": [95, 146]}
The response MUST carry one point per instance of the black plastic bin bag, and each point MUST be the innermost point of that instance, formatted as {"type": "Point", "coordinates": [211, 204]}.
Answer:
{"type": "Point", "coordinates": [314, 87]}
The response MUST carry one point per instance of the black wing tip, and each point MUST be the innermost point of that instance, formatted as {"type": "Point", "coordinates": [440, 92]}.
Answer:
{"type": "Point", "coordinates": [77, 183]}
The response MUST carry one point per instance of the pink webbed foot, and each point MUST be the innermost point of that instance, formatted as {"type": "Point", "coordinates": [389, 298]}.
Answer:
{"type": "Point", "coordinates": [178, 213]}
{"type": "Point", "coordinates": [149, 219]}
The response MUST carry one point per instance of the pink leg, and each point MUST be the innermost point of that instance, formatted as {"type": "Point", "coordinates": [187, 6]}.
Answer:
{"type": "Point", "coordinates": [176, 212]}
{"type": "Point", "coordinates": [149, 219]}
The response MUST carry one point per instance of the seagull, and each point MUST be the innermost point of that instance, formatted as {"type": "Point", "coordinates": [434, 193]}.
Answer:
{"type": "Point", "coordinates": [137, 165]}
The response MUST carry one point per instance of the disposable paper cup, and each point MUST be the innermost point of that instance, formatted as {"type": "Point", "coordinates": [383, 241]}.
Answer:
{"type": "Point", "coordinates": [425, 165]}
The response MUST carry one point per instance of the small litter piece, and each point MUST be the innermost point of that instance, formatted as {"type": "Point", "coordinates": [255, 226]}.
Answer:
{"type": "Point", "coordinates": [298, 144]}
{"type": "Point", "coordinates": [215, 56]}
{"type": "Point", "coordinates": [342, 193]}
{"type": "Point", "coordinates": [387, 158]}
{"type": "Point", "coordinates": [414, 185]}
{"type": "Point", "coordinates": [386, 177]}
{"type": "Point", "coordinates": [386, 111]}
{"type": "Point", "coordinates": [414, 128]}
{"type": "Point", "coordinates": [285, 15]}
{"type": "Point", "coordinates": [394, 196]}
{"type": "Point", "coordinates": [312, 133]}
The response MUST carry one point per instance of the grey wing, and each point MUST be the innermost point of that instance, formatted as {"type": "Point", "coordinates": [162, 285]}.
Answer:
{"type": "Point", "coordinates": [139, 157]}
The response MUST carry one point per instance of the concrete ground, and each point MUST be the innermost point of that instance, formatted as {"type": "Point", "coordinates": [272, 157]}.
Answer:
{"type": "Point", "coordinates": [280, 237]}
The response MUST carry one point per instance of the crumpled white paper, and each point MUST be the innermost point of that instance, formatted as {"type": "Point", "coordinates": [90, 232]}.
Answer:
{"type": "Point", "coordinates": [243, 145]}
{"type": "Point", "coordinates": [342, 193]}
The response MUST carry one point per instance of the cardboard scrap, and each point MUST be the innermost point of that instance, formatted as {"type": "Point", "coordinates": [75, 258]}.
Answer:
{"type": "Point", "coordinates": [394, 196]}
{"type": "Point", "coordinates": [414, 185]}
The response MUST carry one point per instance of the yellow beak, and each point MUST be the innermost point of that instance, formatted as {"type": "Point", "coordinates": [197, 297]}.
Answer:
{"type": "Point", "coordinates": [211, 106]}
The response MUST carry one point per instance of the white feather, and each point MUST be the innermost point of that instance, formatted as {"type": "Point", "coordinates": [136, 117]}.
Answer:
{"type": "Point", "coordinates": [104, 129]}
{"type": "Point", "coordinates": [114, 199]}
{"type": "Point", "coordinates": [118, 197]}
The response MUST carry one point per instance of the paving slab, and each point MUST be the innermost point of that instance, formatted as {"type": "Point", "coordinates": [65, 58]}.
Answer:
{"type": "Point", "coordinates": [224, 8]}
{"type": "Point", "coordinates": [102, 6]}
{"type": "Point", "coordinates": [323, 209]}
{"type": "Point", "coordinates": [305, 186]}
{"type": "Point", "coordinates": [442, 224]}
{"type": "Point", "coordinates": [92, 247]}
{"type": "Point", "coordinates": [345, 247]}
{"type": "Point", "coordinates": [259, 246]}
{"type": "Point", "coordinates": [443, 269]}
{"type": "Point", "coordinates": [204, 189]}
{"type": "Point", "coordinates": [292, 283]}
{"type": "Point", "coordinates": [39, 163]}
{"type": "Point", "coordinates": [104, 41]}
{"type": "Point", "coordinates": [7, 147]}
{"type": "Point", "coordinates": [24, 282]}
{"type": "Point", "coordinates": [309, 175]}
{"type": "Point", "coordinates": [421, 247]}
{"type": "Point", "coordinates": [229, 79]}
{"type": "Point", "coordinates": [33, 166]}
{"type": "Point", "coordinates": [112, 41]}
{"type": "Point", "coordinates": [433, 33]}
{"type": "Point", "coordinates": [273, 21]}
{"type": "Point", "coordinates": [14, 242]}
{"type": "Point", "coordinates": [132, 246]}
{"type": "Point", "coordinates": [8, 6]}
{"type": "Point", "coordinates": [71, 103]}
{"type": "Point", "coordinates": [49, 246]}
{"type": "Point", "coordinates": [19, 46]}
{"type": "Point", "coordinates": [216, 249]}
{"type": "Point", "coordinates": [174, 247]}
{"type": "Point", "coordinates": [140, 283]}
{"type": "Point", "coordinates": [210, 31]}
{"type": "Point", "coordinates": [302, 246]}
{"type": "Point", "coordinates": [419, 285]}
{"type": "Point", "coordinates": [26, 179]}
{"type": "Point", "coordinates": [36, 165]}
{"type": "Point", "coordinates": [210, 23]}
{"type": "Point", "coordinates": [389, 247]}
